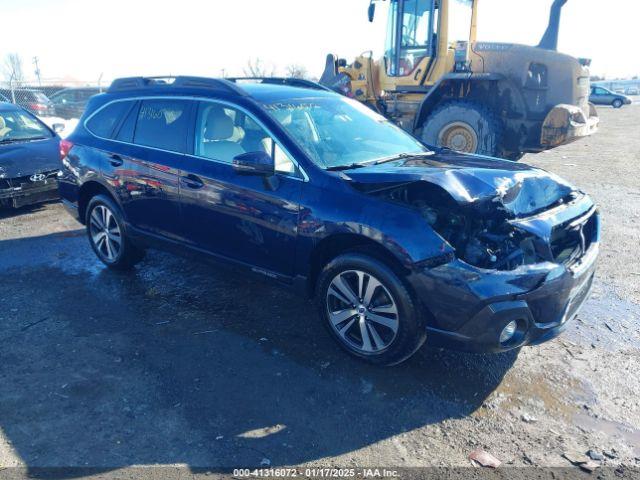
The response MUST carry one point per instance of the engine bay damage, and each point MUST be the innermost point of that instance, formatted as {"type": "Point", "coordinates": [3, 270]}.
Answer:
{"type": "Point", "coordinates": [495, 232]}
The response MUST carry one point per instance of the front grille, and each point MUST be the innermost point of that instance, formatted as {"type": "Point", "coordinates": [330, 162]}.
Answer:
{"type": "Point", "coordinates": [571, 240]}
{"type": "Point", "coordinates": [26, 182]}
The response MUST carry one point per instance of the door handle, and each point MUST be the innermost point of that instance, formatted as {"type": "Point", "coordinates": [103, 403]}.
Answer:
{"type": "Point", "coordinates": [115, 160]}
{"type": "Point", "coordinates": [192, 181]}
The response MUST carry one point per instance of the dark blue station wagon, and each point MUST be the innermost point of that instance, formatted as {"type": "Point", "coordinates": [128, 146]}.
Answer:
{"type": "Point", "coordinates": [398, 243]}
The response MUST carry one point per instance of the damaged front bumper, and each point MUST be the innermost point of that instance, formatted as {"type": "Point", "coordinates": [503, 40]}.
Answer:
{"type": "Point", "coordinates": [567, 123]}
{"type": "Point", "coordinates": [468, 307]}
{"type": "Point", "coordinates": [20, 192]}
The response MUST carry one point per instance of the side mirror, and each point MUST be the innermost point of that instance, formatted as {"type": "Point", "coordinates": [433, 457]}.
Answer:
{"type": "Point", "coordinates": [58, 127]}
{"type": "Point", "coordinates": [254, 163]}
{"type": "Point", "coordinates": [372, 11]}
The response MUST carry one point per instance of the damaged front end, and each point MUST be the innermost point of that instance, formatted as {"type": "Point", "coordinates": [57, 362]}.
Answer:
{"type": "Point", "coordinates": [30, 189]}
{"type": "Point", "coordinates": [525, 246]}
{"type": "Point", "coordinates": [496, 232]}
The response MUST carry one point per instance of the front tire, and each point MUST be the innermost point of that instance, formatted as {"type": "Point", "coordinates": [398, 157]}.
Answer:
{"type": "Point", "coordinates": [617, 103]}
{"type": "Point", "coordinates": [368, 310]}
{"type": "Point", "coordinates": [464, 127]}
{"type": "Point", "coordinates": [107, 235]}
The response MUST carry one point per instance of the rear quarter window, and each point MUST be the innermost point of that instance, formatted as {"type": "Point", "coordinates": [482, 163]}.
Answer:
{"type": "Point", "coordinates": [103, 123]}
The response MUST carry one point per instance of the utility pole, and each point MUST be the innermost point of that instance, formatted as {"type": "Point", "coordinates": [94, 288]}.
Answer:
{"type": "Point", "coordinates": [37, 72]}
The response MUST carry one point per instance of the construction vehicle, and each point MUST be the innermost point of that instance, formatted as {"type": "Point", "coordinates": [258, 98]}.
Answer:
{"type": "Point", "coordinates": [438, 82]}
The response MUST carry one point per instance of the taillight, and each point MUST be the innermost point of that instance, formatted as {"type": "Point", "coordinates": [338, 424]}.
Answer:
{"type": "Point", "coordinates": [65, 148]}
{"type": "Point", "coordinates": [37, 106]}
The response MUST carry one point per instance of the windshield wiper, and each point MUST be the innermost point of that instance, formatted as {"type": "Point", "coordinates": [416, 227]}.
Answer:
{"type": "Point", "coordinates": [401, 156]}
{"type": "Point", "coordinates": [392, 158]}
{"type": "Point", "coordinates": [346, 167]}
{"type": "Point", "coordinates": [17, 140]}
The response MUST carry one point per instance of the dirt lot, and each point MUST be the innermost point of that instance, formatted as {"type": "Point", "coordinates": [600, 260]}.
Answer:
{"type": "Point", "coordinates": [182, 363]}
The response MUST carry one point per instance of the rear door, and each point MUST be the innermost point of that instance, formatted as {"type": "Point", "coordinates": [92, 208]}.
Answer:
{"type": "Point", "coordinates": [151, 143]}
{"type": "Point", "coordinates": [245, 218]}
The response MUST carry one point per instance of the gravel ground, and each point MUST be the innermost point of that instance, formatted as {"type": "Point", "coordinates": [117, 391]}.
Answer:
{"type": "Point", "coordinates": [177, 364]}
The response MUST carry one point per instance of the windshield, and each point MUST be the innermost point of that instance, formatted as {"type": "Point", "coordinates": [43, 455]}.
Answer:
{"type": "Point", "coordinates": [40, 97]}
{"type": "Point", "coordinates": [19, 126]}
{"type": "Point", "coordinates": [337, 131]}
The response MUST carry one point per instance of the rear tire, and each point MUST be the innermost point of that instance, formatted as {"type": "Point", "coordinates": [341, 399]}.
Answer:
{"type": "Point", "coordinates": [617, 103]}
{"type": "Point", "coordinates": [107, 235]}
{"type": "Point", "coordinates": [464, 127]}
{"type": "Point", "coordinates": [380, 323]}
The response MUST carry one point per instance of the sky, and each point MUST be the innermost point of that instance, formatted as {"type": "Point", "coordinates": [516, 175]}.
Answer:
{"type": "Point", "coordinates": [86, 39]}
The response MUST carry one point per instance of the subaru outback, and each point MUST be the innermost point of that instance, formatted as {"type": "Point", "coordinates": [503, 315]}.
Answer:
{"type": "Point", "coordinates": [397, 242]}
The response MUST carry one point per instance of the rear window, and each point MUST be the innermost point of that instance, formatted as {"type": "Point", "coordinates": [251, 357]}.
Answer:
{"type": "Point", "coordinates": [103, 123]}
{"type": "Point", "coordinates": [162, 124]}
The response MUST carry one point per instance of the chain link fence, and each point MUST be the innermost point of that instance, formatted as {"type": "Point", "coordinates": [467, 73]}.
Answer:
{"type": "Point", "coordinates": [51, 99]}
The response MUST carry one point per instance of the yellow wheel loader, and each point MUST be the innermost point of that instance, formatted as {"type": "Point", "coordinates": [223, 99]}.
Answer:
{"type": "Point", "coordinates": [438, 82]}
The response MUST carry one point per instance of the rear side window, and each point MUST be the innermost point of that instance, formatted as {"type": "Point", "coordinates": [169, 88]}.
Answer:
{"type": "Point", "coordinates": [162, 124]}
{"type": "Point", "coordinates": [103, 122]}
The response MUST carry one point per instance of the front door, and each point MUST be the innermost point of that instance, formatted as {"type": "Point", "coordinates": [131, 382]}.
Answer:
{"type": "Point", "coordinates": [249, 219]}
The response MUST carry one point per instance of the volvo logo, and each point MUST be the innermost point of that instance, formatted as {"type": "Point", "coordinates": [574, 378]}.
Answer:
{"type": "Point", "coordinates": [37, 177]}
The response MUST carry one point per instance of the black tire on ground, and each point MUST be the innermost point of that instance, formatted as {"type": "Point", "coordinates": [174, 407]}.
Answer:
{"type": "Point", "coordinates": [617, 103]}
{"type": "Point", "coordinates": [115, 251]}
{"type": "Point", "coordinates": [464, 124]}
{"type": "Point", "coordinates": [410, 331]}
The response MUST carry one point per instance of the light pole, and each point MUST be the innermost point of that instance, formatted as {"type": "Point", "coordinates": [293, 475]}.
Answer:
{"type": "Point", "coordinates": [37, 72]}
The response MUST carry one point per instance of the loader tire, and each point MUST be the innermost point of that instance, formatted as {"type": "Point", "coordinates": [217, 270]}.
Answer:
{"type": "Point", "coordinates": [464, 127]}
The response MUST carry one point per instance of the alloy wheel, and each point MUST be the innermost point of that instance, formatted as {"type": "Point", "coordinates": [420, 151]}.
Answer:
{"type": "Point", "coordinates": [105, 232]}
{"type": "Point", "coordinates": [362, 311]}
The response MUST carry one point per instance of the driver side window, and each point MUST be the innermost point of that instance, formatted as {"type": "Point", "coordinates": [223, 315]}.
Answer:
{"type": "Point", "coordinates": [224, 132]}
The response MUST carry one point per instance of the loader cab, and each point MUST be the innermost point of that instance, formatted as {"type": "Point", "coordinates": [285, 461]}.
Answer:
{"type": "Point", "coordinates": [419, 31]}
{"type": "Point", "coordinates": [410, 39]}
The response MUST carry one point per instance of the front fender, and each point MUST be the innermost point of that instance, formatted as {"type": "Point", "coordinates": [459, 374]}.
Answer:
{"type": "Point", "coordinates": [399, 229]}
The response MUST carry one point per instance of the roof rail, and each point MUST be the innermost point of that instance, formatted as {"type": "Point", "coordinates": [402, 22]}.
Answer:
{"type": "Point", "coordinates": [137, 83]}
{"type": "Point", "coordinates": [293, 82]}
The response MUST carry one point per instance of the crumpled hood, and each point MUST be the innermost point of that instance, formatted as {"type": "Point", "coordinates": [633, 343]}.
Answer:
{"type": "Point", "coordinates": [27, 158]}
{"type": "Point", "coordinates": [471, 179]}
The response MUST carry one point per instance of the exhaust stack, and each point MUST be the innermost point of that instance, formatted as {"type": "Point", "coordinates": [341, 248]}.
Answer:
{"type": "Point", "coordinates": [550, 38]}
